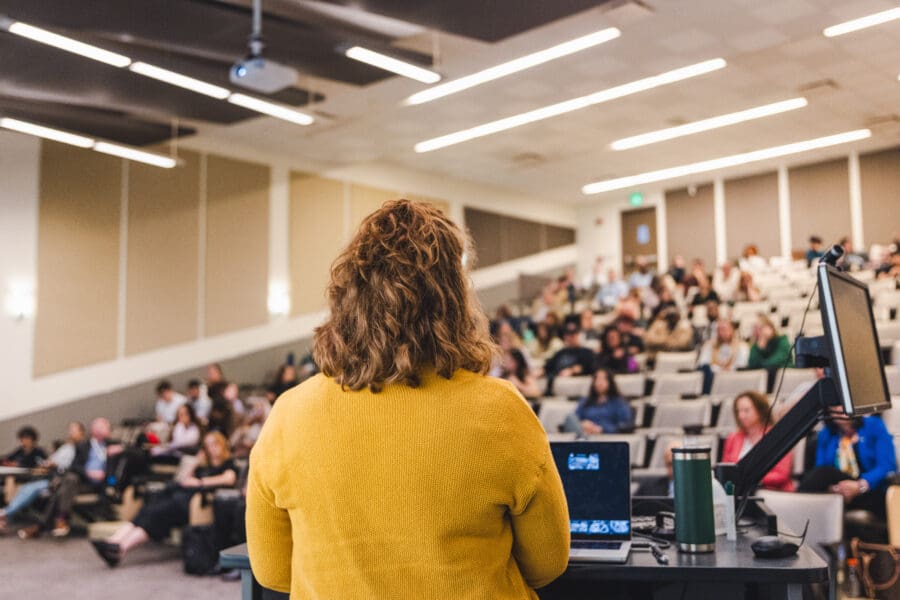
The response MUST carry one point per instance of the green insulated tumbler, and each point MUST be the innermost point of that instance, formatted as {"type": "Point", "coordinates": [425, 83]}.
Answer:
{"type": "Point", "coordinates": [695, 528]}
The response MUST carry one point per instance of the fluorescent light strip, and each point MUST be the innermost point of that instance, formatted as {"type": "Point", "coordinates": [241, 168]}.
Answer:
{"type": "Point", "coordinates": [273, 110]}
{"type": "Point", "coordinates": [862, 23]}
{"type": "Point", "coordinates": [157, 160]}
{"type": "Point", "coordinates": [68, 44]}
{"type": "Point", "coordinates": [177, 79]}
{"type": "Point", "coordinates": [388, 63]}
{"type": "Point", "coordinates": [514, 66]}
{"type": "Point", "coordinates": [46, 132]}
{"type": "Point", "coordinates": [726, 161]}
{"type": "Point", "coordinates": [669, 133]}
{"type": "Point", "coordinates": [566, 106]}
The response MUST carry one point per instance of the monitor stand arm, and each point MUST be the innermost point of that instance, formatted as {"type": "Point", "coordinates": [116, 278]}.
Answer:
{"type": "Point", "coordinates": [793, 426]}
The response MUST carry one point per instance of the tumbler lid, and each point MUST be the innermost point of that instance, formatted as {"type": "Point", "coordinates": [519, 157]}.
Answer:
{"type": "Point", "coordinates": [691, 453]}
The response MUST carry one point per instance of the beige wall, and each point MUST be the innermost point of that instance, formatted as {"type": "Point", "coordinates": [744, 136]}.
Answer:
{"type": "Point", "coordinates": [880, 183]}
{"type": "Point", "coordinates": [820, 202]}
{"type": "Point", "coordinates": [751, 214]}
{"type": "Point", "coordinates": [690, 225]}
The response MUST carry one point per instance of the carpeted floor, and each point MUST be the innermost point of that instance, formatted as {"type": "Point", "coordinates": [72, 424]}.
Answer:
{"type": "Point", "coordinates": [46, 569]}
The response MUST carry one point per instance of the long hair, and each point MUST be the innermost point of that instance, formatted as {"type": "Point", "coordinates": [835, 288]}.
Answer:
{"type": "Point", "coordinates": [400, 302]}
{"type": "Point", "coordinates": [758, 400]}
{"type": "Point", "coordinates": [611, 392]}
{"type": "Point", "coordinates": [205, 458]}
{"type": "Point", "coordinates": [521, 370]}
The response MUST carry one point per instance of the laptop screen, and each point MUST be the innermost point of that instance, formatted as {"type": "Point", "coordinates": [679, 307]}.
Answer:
{"type": "Point", "coordinates": [596, 477]}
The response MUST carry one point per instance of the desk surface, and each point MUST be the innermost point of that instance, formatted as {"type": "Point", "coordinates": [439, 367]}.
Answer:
{"type": "Point", "coordinates": [732, 562]}
{"type": "Point", "coordinates": [4, 470]}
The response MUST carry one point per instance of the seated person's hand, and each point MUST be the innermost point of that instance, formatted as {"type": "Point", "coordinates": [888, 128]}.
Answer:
{"type": "Point", "coordinates": [590, 428]}
{"type": "Point", "coordinates": [618, 352]}
{"type": "Point", "coordinates": [114, 449]}
{"type": "Point", "coordinates": [848, 488]}
{"type": "Point", "coordinates": [566, 372]}
{"type": "Point", "coordinates": [44, 469]}
{"type": "Point", "coordinates": [190, 482]}
{"type": "Point", "coordinates": [96, 475]}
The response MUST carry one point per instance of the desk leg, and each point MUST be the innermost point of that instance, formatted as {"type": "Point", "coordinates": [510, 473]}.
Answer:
{"type": "Point", "coordinates": [250, 590]}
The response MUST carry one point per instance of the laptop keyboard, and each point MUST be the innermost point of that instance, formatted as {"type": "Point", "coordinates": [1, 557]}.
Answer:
{"type": "Point", "coordinates": [596, 545]}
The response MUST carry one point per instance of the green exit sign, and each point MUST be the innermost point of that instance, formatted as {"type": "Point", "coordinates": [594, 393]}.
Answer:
{"type": "Point", "coordinates": [636, 198]}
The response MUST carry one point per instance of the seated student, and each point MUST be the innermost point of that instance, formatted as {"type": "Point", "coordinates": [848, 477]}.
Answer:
{"type": "Point", "coordinates": [678, 270]}
{"type": "Point", "coordinates": [167, 402]}
{"type": "Point", "coordinates": [27, 454]}
{"type": "Point", "coordinates": [604, 410]}
{"type": "Point", "coordinates": [746, 291]}
{"type": "Point", "coordinates": [199, 399]}
{"type": "Point", "coordinates": [665, 301]}
{"type": "Point", "coordinates": [28, 492]}
{"type": "Point", "coordinates": [185, 434]}
{"type": "Point", "coordinates": [725, 281]}
{"type": "Point", "coordinates": [769, 350]}
{"type": "Point", "coordinates": [632, 336]}
{"type": "Point", "coordinates": [709, 331]}
{"type": "Point", "coordinates": [221, 415]}
{"type": "Point", "coordinates": [545, 343]}
{"type": "Point", "coordinates": [614, 355]}
{"type": "Point", "coordinates": [612, 291]}
{"type": "Point", "coordinates": [160, 515]}
{"type": "Point", "coordinates": [285, 379]}
{"type": "Point", "coordinates": [727, 352]}
{"type": "Point", "coordinates": [705, 293]}
{"type": "Point", "coordinates": [587, 325]}
{"type": "Point", "coordinates": [642, 276]}
{"type": "Point", "coordinates": [247, 432]}
{"type": "Point", "coordinates": [750, 409]}
{"type": "Point", "coordinates": [853, 458]}
{"type": "Point", "coordinates": [88, 468]}
{"type": "Point", "coordinates": [514, 368]}
{"type": "Point", "coordinates": [669, 333]}
{"type": "Point", "coordinates": [815, 252]}
{"type": "Point", "coordinates": [573, 359]}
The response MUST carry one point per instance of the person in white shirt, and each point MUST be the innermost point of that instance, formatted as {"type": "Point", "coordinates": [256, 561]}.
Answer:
{"type": "Point", "coordinates": [167, 402]}
{"type": "Point", "coordinates": [199, 399]}
{"type": "Point", "coordinates": [185, 433]}
{"type": "Point", "coordinates": [725, 281]}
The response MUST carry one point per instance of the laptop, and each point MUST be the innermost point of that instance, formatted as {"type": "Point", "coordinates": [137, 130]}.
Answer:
{"type": "Point", "coordinates": [596, 477]}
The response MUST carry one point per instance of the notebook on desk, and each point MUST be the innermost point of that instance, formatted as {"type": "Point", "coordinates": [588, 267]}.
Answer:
{"type": "Point", "coordinates": [596, 478]}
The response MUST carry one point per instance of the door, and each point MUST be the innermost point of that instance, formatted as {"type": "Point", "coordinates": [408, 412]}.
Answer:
{"type": "Point", "coordinates": [638, 237]}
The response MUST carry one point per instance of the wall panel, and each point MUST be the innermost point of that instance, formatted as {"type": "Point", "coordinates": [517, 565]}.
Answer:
{"type": "Point", "coordinates": [690, 225]}
{"type": "Point", "coordinates": [880, 180]}
{"type": "Point", "coordinates": [78, 258]}
{"type": "Point", "coordinates": [316, 237]}
{"type": "Point", "coordinates": [162, 276]}
{"type": "Point", "coordinates": [365, 200]}
{"type": "Point", "coordinates": [751, 215]}
{"type": "Point", "coordinates": [237, 245]}
{"type": "Point", "coordinates": [485, 227]}
{"type": "Point", "coordinates": [820, 202]}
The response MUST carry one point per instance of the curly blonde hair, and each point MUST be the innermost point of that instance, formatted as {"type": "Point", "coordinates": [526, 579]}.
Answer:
{"type": "Point", "coordinates": [400, 302]}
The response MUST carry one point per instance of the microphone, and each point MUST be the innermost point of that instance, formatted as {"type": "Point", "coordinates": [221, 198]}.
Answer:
{"type": "Point", "coordinates": [833, 255]}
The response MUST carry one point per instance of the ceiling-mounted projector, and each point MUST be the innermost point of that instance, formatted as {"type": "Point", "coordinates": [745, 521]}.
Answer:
{"type": "Point", "coordinates": [261, 75]}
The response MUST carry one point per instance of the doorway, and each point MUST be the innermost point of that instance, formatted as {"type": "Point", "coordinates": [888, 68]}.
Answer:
{"type": "Point", "coordinates": [638, 238]}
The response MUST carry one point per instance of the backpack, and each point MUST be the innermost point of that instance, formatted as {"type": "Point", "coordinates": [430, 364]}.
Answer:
{"type": "Point", "coordinates": [198, 550]}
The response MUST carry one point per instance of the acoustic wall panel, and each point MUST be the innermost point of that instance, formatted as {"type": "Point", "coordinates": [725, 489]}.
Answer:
{"type": "Point", "coordinates": [316, 237]}
{"type": "Point", "coordinates": [880, 181]}
{"type": "Point", "coordinates": [364, 201]}
{"type": "Point", "coordinates": [820, 202]}
{"type": "Point", "coordinates": [751, 215]}
{"type": "Point", "coordinates": [237, 245]}
{"type": "Point", "coordinates": [162, 275]}
{"type": "Point", "coordinates": [78, 258]}
{"type": "Point", "coordinates": [690, 225]}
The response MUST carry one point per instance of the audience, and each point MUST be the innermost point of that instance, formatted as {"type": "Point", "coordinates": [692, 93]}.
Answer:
{"type": "Point", "coordinates": [725, 281]}
{"type": "Point", "coordinates": [604, 410]}
{"type": "Point", "coordinates": [612, 292]}
{"type": "Point", "coordinates": [545, 343]}
{"type": "Point", "coordinates": [573, 359]}
{"type": "Point", "coordinates": [853, 458]}
{"type": "Point", "coordinates": [669, 333]}
{"type": "Point", "coordinates": [27, 454]}
{"type": "Point", "coordinates": [515, 369]}
{"type": "Point", "coordinates": [161, 514]}
{"type": "Point", "coordinates": [167, 403]}
{"type": "Point", "coordinates": [613, 354]}
{"type": "Point", "coordinates": [642, 277]}
{"type": "Point", "coordinates": [199, 399]}
{"type": "Point", "coordinates": [769, 350]}
{"type": "Point", "coordinates": [750, 414]}
{"type": "Point", "coordinates": [185, 434]}
{"type": "Point", "coordinates": [285, 379]}
{"type": "Point", "coordinates": [815, 250]}
{"type": "Point", "coordinates": [631, 335]}
{"type": "Point", "coordinates": [726, 352]}
{"type": "Point", "coordinates": [705, 293]}
{"type": "Point", "coordinates": [746, 291]}
{"type": "Point", "coordinates": [247, 432]}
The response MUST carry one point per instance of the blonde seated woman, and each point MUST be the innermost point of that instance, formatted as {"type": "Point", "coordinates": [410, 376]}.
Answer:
{"type": "Point", "coordinates": [159, 516]}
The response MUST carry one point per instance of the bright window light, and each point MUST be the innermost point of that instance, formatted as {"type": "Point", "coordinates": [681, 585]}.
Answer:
{"type": "Point", "coordinates": [68, 44]}
{"type": "Point", "coordinates": [514, 66]}
{"type": "Point", "coordinates": [273, 110]}
{"type": "Point", "coordinates": [388, 63]}
{"type": "Point", "coordinates": [20, 302]}
{"type": "Point", "coordinates": [862, 23]}
{"type": "Point", "coordinates": [726, 161]}
{"type": "Point", "coordinates": [279, 300]}
{"type": "Point", "coordinates": [669, 133]}
{"type": "Point", "coordinates": [566, 106]}
{"type": "Point", "coordinates": [46, 132]}
{"type": "Point", "coordinates": [177, 79]}
{"type": "Point", "coordinates": [157, 160]}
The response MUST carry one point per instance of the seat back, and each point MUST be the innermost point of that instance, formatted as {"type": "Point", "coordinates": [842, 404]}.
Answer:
{"type": "Point", "coordinates": [735, 382]}
{"type": "Point", "coordinates": [572, 387]}
{"type": "Point", "coordinates": [825, 513]}
{"type": "Point", "coordinates": [678, 384]}
{"type": "Point", "coordinates": [663, 440]}
{"type": "Point", "coordinates": [892, 374]}
{"type": "Point", "coordinates": [631, 385]}
{"type": "Point", "coordinates": [893, 514]}
{"type": "Point", "coordinates": [553, 413]}
{"type": "Point", "coordinates": [637, 444]}
{"type": "Point", "coordinates": [672, 362]}
{"type": "Point", "coordinates": [793, 378]}
{"type": "Point", "coordinates": [675, 415]}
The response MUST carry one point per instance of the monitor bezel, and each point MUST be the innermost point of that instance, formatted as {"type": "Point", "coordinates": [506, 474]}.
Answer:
{"type": "Point", "coordinates": [581, 446]}
{"type": "Point", "coordinates": [832, 335]}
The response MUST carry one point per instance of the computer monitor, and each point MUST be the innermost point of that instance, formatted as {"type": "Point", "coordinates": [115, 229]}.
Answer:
{"type": "Point", "coordinates": [856, 364]}
{"type": "Point", "coordinates": [596, 477]}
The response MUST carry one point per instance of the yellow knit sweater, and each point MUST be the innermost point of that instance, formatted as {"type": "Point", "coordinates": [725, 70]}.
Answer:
{"type": "Point", "coordinates": [443, 491]}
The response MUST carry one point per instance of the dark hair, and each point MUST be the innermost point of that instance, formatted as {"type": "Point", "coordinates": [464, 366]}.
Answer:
{"type": "Point", "coordinates": [217, 390]}
{"type": "Point", "coordinates": [400, 302]}
{"type": "Point", "coordinates": [606, 333]}
{"type": "Point", "coordinates": [611, 392]}
{"type": "Point", "coordinates": [757, 399]}
{"type": "Point", "coordinates": [521, 371]}
{"type": "Point", "coordinates": [814, 239]}
{"type": "Point", "coordinates": [192, 414]}
{"type": "Point", "coordinates": [27, 432]}
{"type": "Point", "coordinates": [193, 383]}
{"type": "Point", "coordinates": [163, 386]}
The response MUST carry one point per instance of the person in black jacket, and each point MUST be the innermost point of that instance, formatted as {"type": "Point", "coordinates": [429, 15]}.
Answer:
{"type": "Point", "coordinates": [28, 454]}
{"type": "Point", "coordinates": [573, 359]}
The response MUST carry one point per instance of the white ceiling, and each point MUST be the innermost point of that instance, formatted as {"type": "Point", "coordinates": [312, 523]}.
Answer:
{"type": "Point", "coordinates": [773, 48]}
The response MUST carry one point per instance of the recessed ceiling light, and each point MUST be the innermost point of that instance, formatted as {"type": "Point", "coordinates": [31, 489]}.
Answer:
{"type": "Point", "coordinates": [669, 133]}
{"type": "Point", "coordinates": [273, 110]}
{"type": "Point", "coordinates": [514, 66]}
{"type": "Point", "coordinates": [177, 79]}
{"type": "Point", "coordinates": [569, 105]}
{"type": "Point", "coordinates": [394, 65]}
{"type": "Point", "coordinates": [862, 22]}
{"type": "Point", "coordinates": [68, 44]}
{"type": "Point", "coordinates": [46, 132]}
{"type": "Point", "coordinates": [726, 161]}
